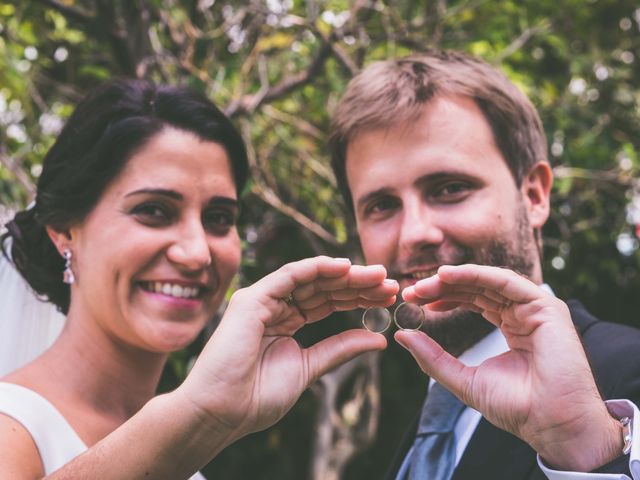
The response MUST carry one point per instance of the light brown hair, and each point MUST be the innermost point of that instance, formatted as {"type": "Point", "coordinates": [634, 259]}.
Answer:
{"type": "Point", "coordinates": [393, 92]}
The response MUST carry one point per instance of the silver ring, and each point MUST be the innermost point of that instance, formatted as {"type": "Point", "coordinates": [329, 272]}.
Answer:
{"type": "Point", "coordinates": [288, 299]}
{"type": "Point", "coordinates": [376, 319]}
{"type": "Point", "coordinates": [414, 323]}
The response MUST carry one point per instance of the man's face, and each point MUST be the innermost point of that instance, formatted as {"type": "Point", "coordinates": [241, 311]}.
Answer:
{"type": "Point", "coordinates": [438, 191]}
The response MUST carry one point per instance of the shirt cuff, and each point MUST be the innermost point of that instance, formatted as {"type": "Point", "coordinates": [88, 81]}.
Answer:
{"type": "Point", "coordinates": [618, 409]}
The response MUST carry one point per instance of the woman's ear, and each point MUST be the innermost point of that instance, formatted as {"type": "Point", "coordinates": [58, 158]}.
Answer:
{"type": "Point", "coordinates": [60, 238]}
{"type": "Point", "coordinates": [536, 190]}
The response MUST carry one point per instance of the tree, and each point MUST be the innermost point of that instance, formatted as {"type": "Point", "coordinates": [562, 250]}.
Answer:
{"type": "Point", "coordinates": [278, 67]}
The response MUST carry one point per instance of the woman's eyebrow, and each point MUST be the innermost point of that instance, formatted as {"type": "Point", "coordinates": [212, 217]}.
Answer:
{"type": "Point", "coordinates": [157, 191]}
{"type": "Point", "coordinates": [224, 201]}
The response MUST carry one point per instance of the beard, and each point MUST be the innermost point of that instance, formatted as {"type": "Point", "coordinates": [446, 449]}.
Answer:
{"type": "Point", "coordinates": [458, 330]}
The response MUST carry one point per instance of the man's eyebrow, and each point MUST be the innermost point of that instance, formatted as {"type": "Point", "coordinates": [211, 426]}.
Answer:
{"type": "Point", "coordinates": [440, 176]}
{"type": "Point", "coordinates": [157, 191]}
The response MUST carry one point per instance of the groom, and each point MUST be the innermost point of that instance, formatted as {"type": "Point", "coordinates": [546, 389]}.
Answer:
{"type": "Point", "coordinates": [443, 161]}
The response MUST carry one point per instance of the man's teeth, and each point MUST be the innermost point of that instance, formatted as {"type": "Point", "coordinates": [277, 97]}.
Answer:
{"type": "Point", "coordinates": [172, 290]}
{"type": "Point", "coordinates": [423, 274]}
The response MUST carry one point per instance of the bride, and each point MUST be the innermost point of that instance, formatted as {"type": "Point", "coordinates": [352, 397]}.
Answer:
{"type": "Point", "coordinates": [133, 237]}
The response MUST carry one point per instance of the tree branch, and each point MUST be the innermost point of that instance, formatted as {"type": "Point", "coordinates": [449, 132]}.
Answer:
{"type": "Point", "coordinates": [521, 40]}
{"type": "Point", "coordinates": [117, 36]}
{"type": "Point", "coordinates": [126, 40]}
{"type": "Point", "coordinates": [15, 167]}
{"type": "Point", "coordinates": [301, 124]}
{"type": "Point", "coordinates": [344, 58]}
{"type": "Point", "coordinates": [593, 175]}
{"type": "Point", "coordinates": [70, 12]}
{"type": "Point", "coordinates": [248, 103]}
{"type": "Point", "coordinates": [342, 432]}
{"type": "Point", "coordinates": [266, 193]}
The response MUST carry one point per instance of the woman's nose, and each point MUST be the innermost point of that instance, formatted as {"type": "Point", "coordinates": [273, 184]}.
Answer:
{"type": "Point", "coordinates": [190, 249]}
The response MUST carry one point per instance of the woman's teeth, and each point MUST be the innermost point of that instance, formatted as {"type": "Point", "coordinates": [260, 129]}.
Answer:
{"type": "Point", "coordinates": [171, 289]}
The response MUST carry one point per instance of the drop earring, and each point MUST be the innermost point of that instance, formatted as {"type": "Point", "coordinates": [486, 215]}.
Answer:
{"type": "Point", "coordinates": [67, 275]}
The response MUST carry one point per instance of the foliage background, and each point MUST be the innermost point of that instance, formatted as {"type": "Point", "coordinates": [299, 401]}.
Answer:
{"type": "Point", "coordinates": [278, 68]}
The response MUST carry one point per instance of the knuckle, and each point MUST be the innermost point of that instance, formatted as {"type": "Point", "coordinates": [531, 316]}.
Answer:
{"type": "Point", "coordinates": [238, 295]}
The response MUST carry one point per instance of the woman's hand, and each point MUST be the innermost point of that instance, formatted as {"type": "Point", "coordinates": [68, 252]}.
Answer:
{"type": "Point", "coordinates": [252, 371]}
{"type": "Point", "coordinates": [542, 389]}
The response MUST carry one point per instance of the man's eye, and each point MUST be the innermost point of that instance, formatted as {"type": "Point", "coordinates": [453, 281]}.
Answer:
{"type": "Point", "coordinates": [451, 190]}
{"type": "Point", "coordinates": [382, 205]}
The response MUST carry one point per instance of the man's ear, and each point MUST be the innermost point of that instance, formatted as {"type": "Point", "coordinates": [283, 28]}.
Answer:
{"type": "Point", "coordinates": [60, 238]}
{"type": "Point", "coordinates": [536, 190]}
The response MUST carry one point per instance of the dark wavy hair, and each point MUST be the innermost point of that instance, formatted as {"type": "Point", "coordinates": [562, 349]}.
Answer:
{"type": "Point", "coordinates": [107, 127]}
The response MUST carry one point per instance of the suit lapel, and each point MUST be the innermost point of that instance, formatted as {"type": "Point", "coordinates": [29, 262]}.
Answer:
{"type": "Point", "coordinates": [402, 450]}
{"type": "Point", "coordinates": [496, 454]}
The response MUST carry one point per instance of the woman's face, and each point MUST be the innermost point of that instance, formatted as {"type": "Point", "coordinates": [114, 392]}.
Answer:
{"type": "Point", "coordinates": [154, 258]}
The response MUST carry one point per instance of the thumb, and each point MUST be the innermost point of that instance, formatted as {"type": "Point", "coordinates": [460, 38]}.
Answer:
{"type": "Point", "coordinates": [433, 360]}
{"type": "Point", "coordinates": [338, 349]}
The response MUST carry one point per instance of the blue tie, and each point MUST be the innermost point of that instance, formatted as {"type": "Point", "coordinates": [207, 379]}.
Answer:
{"type": "Point", "coordinates": [434, 450]}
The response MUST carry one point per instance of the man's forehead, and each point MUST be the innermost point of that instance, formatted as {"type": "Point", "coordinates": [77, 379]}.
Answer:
{"type": "Point", "coordinates": [452, 135]}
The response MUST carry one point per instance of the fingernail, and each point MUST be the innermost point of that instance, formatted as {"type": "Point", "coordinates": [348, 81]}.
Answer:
{"type": "Point", "coordinates": [343, 260]}
{"type": "Point", "coordinates": [376, 265]}
{"type": "Point", "coordinates": [390, 281]}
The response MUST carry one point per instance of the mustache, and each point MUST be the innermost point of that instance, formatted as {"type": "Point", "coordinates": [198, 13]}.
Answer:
{"type": "Point", "coordinates": [515, 256]}
{"type": "Point", "coordinates": [430, 258]}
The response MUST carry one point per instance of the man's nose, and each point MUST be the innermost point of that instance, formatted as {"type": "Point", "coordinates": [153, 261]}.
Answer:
{"type": "Point", "coordinates": [190, 250]}
{"type": "Point", "coordinates": [420, 226]}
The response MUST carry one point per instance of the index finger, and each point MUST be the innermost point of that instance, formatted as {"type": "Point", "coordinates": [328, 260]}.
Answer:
{"type": "Point", "coordinates": [358, 277]}
{"type": "Point", "coordinates": [488, 280]}
{"type": "Point", "coordinates": [283, 281]}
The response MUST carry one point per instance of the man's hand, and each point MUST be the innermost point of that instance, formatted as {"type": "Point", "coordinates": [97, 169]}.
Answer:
{"type": "Point", "coordinates": [542, 390]}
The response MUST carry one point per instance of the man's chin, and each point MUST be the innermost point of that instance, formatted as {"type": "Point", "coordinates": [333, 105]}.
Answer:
{"type": "Point", "coordinates": [456, 330]}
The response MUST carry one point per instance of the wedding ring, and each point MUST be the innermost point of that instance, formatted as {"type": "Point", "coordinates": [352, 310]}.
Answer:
{"type": "Point", "coordinates": [376, 319]}
{"type": "Point", "coordinates": [288, 299]}
{"type": "Point", "coordinates": [406, 316]}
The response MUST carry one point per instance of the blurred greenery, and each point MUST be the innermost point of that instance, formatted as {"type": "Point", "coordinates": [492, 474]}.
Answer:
{"type": "Point", "coordinates": [278, 68]}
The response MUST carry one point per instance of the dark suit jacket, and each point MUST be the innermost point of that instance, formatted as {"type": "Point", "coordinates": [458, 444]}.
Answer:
{"type": "Point", "coordinates": [614, 354]}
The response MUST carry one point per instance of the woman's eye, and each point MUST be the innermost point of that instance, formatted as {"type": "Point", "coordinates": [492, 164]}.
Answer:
{"type": "Point", "coordinates": [153, 213]}
{"type": "Point", "coordinates": [219, 219]}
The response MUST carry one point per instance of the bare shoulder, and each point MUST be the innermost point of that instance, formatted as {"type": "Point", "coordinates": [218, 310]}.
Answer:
{"type": "Point", "coordinates": [19, 457]}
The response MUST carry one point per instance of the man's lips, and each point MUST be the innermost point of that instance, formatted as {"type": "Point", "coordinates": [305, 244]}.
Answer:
{"type": "Point", "coordinates": [415, 274]}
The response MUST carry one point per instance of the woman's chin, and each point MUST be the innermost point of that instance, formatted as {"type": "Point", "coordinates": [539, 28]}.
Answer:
{"type": "Point", "coordinates": [173, 336]}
